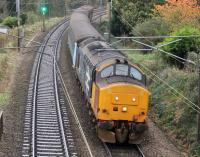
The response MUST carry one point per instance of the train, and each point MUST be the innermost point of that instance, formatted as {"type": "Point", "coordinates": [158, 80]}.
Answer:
{"type": "Point", "coordinates": [114, 88]}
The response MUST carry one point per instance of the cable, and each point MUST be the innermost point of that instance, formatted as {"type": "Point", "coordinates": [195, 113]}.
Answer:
{"type": "Point", "coordinates": [190, 104]}
{"type": "Point", "coordinates": [159, 77]}
{"type": "Point", "coordinates": [160, 50]}
{"type": "Point", "coordinates": [172, 55]}
{"type": "Point", "coordinates": [177, 97]}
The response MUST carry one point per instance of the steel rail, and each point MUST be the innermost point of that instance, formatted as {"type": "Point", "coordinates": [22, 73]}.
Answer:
{"type": "Point", "coordinates": [140, 150]}
{"type": "Point", "coordinates": [36, 87]}
{"type": "Point", "coordinates": [73, 110]}
{"type": "Point", "coordinates": [57, 97]}
{"type": "Point", "coordinates": [36, 95]}
{"type": "Point", "coordinates": [71, 103]}
{"type": "Point", "coordinates": [108, 152]}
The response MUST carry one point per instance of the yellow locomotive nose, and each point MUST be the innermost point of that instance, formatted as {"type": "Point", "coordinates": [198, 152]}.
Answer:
{"type": "Point", "coordinates": [123, 101]}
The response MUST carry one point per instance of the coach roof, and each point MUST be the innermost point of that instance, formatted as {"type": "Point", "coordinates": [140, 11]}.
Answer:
{"type": "Point", "coordinates": [81, 27]}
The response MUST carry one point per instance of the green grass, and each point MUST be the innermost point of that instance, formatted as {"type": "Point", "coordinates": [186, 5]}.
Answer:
{"type": "Point", "coordinates": [9, 57]}
{"type": "Point", "coordinates": [140, 57]}
{"type": "Point", "coordinates": [168, 108]}
{"type": "Point", "coordinates": [32, 29]}
{"type": "Point", "coordinates": [4, 98]}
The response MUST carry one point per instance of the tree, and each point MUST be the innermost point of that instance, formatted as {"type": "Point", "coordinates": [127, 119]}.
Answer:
{"type": "Point", "coordinates": [132, 12]}
{"type": "Point", "coordinates": [11, 7]}
{"type": "Point", "coordinates": [117, 26]}
{"type": "Point", "coordinates": [179, 11]}
{"type": "Point", "coordinates": [183, 47]}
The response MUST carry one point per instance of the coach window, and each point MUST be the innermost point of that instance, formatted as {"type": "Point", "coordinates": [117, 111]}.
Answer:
{"type": "Point", "coordinates": [107, 72]}
{"type": "Point", "coordinates": [122, 69]}
{"type": "Point", "coordinates": [135, 74]}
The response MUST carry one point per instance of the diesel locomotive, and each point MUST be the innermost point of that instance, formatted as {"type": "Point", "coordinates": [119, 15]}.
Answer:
{"type": "Point", "coordinates": [114, 88]}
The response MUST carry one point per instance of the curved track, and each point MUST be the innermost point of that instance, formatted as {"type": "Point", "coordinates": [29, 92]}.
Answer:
{"type": "Point", "coordinates": [45, 133]}
{"type": "Point", "coordinates": [47, 129]}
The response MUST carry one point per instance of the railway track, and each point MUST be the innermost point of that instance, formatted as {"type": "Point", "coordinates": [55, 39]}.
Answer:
{"type": "Point", "coordinates": [114, 150]}
{"type": "Point", "coordinates": [47, 131]}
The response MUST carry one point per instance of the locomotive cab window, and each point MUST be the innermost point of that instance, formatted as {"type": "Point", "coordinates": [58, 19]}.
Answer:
{"type": "Point", "coordinates": [121, 69]}
{"type": "Point", "coordinates": [107, 72]}
{"type": "Point", "coordinates": [134, 73]}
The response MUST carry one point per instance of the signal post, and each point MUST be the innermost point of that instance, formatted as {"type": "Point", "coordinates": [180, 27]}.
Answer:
{"type": "Point", "coordinates": [43, 10]}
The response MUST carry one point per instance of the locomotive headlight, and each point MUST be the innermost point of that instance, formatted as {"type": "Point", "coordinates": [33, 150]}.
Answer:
{"type": "Point", "coordinates": [116, 98]}
{"type": "Point", "coordinates": [133, 99]}
{"type": "Point", "coordinates": [124, 109]}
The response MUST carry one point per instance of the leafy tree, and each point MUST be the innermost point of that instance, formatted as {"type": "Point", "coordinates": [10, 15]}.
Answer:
{"type": "Point", "coordinates": [179, 11]}
{"type": "Point", "coordinates": [183, 47]}
{"type": "Point", "coordinates": [11, 7]}
{"type": "Point", "coordinates": [117, 26]}
{"type": "Point", "coordinates": [132, 12]}
{"type": "Point", "coordinates": [152, 27]}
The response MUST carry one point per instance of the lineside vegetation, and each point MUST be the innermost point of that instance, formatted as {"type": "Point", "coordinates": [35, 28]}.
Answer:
{"type": "Point", "coordinates": [173, 82]}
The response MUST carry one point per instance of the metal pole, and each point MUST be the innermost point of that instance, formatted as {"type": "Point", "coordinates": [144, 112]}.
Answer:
{"type": "Point", "coordinates": [198, 114]}
{"type": "Point", "coordinates": [18, 22]}
{"type": "Point", "coordinates": [100, 3]}
{"type": "Point", "coordinates": [65, 9]}
{"type": "Point", "coordinates": [109, 29]}
{"type": "Point", "coordinates": [43, 22]}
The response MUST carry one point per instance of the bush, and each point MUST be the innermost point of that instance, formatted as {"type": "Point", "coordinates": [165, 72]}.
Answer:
{"type": "Point", "coordinates": [151, 27]}
{"type": "Point", "coordinates": [10, 21]}
{"type": "Point", "coordinates": [183, 47]}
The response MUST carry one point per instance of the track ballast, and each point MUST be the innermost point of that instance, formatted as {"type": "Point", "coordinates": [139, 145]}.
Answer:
{"type": "Point", "coordinates": [47, 129]}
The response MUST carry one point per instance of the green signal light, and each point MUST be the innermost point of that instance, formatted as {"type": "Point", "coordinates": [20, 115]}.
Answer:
{"type": "Point", "coordinates": [44, 9]}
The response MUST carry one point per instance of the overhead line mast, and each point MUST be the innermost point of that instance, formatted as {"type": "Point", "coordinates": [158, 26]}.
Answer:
{"type": "Point", "coordinates": [18, 22]}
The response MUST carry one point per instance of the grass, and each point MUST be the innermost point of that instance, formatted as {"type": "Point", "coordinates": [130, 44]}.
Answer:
{"type": "Point", "coordinates": [32, 29]}
{"type": "Point", "coordinates": [9, 58]}
{"type": "Point", "coordinates": [4, 98]}
{"type": "Point", "coordinates": [168, 108]}
{"type": "Point", "coordinates": [140, 57]}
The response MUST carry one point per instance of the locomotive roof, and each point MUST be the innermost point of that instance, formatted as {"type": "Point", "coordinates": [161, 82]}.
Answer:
{"type": "Point", "coordinates": [81, 27]}
{"type": "Point", "coordinates": [97, 56]}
